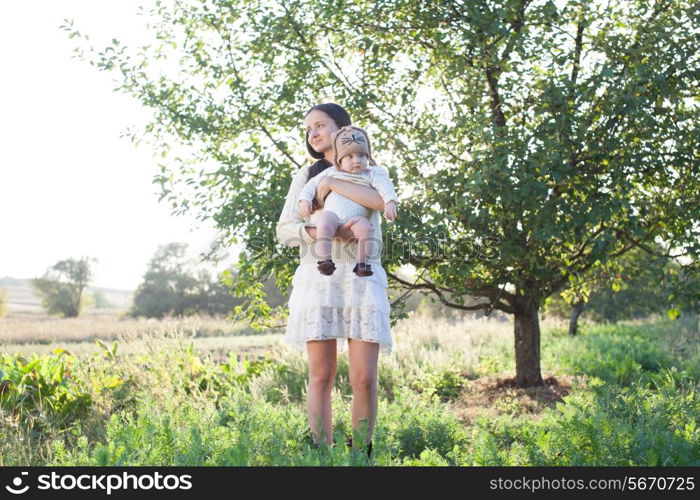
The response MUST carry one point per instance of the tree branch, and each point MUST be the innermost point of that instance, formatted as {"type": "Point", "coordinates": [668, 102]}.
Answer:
{"type": "Point", "coordinates": [440, 296]}
{"type": "Point", "coordinates": [577, 55]}
{"type": "Point", "coordinates": [494, 294]}
{"type": "Point", "coordinates": [515, 28]}
{"type": "Point", "coordinates": [495, 98]}
{"type": "Point", "coordinates": [239, 89]}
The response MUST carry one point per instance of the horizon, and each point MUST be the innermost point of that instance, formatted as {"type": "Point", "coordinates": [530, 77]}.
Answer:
{"type": "Point", "coordinates": [90, 286]}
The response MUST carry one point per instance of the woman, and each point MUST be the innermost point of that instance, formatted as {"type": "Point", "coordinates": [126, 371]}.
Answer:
{"type": "Point", "coordinates": [324, 310]}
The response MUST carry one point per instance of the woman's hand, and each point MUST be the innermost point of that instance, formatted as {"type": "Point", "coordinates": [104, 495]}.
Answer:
{"type": "Point", "coordinates": [390, 210]}
{"type": "Point", "coordinates": [325, 186]}
{"type": "Point", "coordinates": [304, 208]}
{"type": "Point", "coordinates": [344, 232]}
{"type": "Point", "coordinates": [311, 231]}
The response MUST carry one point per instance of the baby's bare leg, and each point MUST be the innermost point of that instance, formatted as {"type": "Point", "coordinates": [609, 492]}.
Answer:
{"type": "Point", "coordinates": [326, 227]}
{"type": "Point", "coordinates": [362, 230]}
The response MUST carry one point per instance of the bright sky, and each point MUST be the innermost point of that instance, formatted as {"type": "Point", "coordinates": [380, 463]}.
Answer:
{"type": "Point", "coordinates": [69, 186]}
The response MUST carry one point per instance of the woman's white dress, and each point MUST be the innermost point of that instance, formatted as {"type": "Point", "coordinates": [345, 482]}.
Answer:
{"type": "Point", "coordinates": [340, 306]}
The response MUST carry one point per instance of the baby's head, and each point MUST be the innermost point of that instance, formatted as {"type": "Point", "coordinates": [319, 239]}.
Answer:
{"type": "Point", "coordinates": [352, 149]}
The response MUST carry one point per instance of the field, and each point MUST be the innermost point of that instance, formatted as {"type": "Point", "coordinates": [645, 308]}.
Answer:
{"type": "Point", "coordinates": [104, 390]}
{"type": "Point", "coordinates": [21, 298]}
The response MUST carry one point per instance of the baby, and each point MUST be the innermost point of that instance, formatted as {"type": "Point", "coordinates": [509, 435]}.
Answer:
{"type": "Point", "coordinates": [354, 163]}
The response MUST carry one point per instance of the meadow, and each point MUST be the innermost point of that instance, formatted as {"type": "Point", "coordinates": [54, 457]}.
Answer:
{"type": "Point", "coordinates": [100, 390]}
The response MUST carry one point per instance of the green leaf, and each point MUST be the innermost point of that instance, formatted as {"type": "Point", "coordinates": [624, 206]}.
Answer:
{"type": "Point", "coordinates": [674, 313]}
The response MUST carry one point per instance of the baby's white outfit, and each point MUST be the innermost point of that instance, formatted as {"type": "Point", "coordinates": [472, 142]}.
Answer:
{"type": "Point", "coordinates": [345, 208]}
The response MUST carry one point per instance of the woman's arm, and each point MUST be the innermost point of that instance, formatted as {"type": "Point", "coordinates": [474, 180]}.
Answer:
{"type": "Point", "coordinates": [291, 229]}
{"type": "Point", "coordinates": [364, 195]}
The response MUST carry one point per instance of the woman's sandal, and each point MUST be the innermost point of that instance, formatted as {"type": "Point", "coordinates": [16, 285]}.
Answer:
{"type": "Point", "coordinates": [326, 267]}
{"type": "Point", "coordinates": [367, 450]}
{"type": "Point", "coordinates": [308, 438]}
{"type": "Point", "coordinates": [362, 269]}
{"type": "Point", "coordinates": [317, 446]}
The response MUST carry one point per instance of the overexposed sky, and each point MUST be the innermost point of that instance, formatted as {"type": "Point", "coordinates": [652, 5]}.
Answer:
{"type": "Point", "coordinates": [69, 186]}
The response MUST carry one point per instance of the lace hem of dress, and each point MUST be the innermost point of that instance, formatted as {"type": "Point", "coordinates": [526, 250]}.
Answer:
{"type": "Point", "coordinates": [300, 345]}
{"type": "Point", "coordinates": [323, 323]}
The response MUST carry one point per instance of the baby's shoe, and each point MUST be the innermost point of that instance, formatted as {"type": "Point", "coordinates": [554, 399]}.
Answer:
{"type": "Point", "coordinates": [362, 269]}
{"type": "Point", "coordinates": [326, 267]}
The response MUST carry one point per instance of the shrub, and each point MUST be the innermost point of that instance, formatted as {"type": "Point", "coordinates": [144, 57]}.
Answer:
{"type": "Point", "coordinates": [42, 390]}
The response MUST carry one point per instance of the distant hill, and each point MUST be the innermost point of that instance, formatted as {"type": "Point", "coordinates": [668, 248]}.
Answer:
{"type": "Point", "coordinates": [21, 298]}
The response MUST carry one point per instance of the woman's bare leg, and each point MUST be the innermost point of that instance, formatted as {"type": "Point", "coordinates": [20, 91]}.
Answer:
{"type": "Point", "coordinates": [326, 227]}
{"type": "Point", "coordinates": [363, 357]}
{"type": "Point", "coordinates": [322, 368]}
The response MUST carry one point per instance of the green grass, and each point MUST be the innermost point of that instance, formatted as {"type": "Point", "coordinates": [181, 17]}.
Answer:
{"type": "Point", "coordinates": [635, 402]}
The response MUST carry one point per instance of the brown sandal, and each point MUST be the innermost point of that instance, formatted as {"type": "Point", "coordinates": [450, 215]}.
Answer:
{"type": "Point", "coordinates": [326, 267]}
{"type": "Point", "coordinates": [362, 269]}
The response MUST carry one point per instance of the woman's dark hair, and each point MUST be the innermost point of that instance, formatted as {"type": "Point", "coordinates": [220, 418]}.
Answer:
{"type": "Point", "coordinates": [341, 119]}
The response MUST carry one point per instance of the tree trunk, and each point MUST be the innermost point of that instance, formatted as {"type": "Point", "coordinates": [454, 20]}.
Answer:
{"type": "Point", "coordinates": [527, 347]}
{"type": "Point", "coordinates": [573, 322]}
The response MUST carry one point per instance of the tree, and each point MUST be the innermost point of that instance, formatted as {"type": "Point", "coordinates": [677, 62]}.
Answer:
{"type": "Point", "coordinates": [684, 283]}
{"type": "Point", "coordinates": [101, 300]}
{"type": "Point", "coordinates": [167, 283]}
{"type": "Point", "coordinates": [533, 140]}
{"type": "Point", "coordinates": [61, 287]}
{"type": "Point", "coordinates": [636, 285]}
{"type": "Point", "coordinates": [174, 286]}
